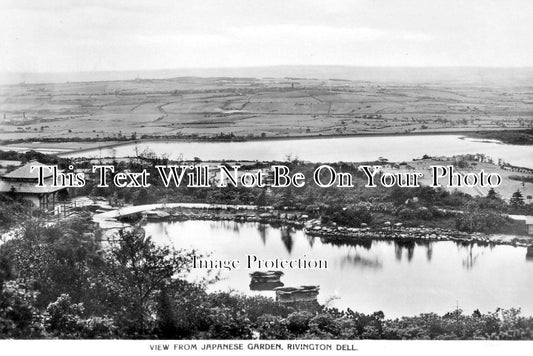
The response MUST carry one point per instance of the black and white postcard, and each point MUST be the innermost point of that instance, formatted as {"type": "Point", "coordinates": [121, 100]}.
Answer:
{"type": "Point", "coordinates": [277, 176]}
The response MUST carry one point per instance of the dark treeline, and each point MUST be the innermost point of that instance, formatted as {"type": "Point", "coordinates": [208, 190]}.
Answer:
{"type": "Point", "coordinates": [521, 137]}
{"type": "Point", "coordinates": [34, 155]}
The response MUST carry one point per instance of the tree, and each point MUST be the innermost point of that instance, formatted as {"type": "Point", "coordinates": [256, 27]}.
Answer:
{"type": "Point", "coordinates": [287, 198]}
{"type": "Point", "coordinates": [56, 259]}
{"type": "Point", "coordinates": [492, 194]}
{"type": "Point", "coordinates": [17, 315]}
{"type": "Point", "coordinates": [62, 317]}
{"type": "Point", "coordinates": [166, 319]}
{"type": "Point", "coordinates": [261, 198]}
{"type": "Point", "coordinates": [137, 272]}
{"type": "Point", "coordinates": [517, 199]}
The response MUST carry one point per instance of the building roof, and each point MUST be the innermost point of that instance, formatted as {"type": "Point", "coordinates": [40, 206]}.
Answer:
{"type": "Point", "coordinates": [25, 172]}
{"type": "Point", "coordinates": [27, 187]}
{"type": "Point", "coordinates": [528, 219]}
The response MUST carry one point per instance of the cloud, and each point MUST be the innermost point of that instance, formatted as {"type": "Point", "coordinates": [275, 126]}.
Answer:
{"type": "Point", "coordinates": [57, 35]}
{"type": "Point", "coordinates": [313, 33]}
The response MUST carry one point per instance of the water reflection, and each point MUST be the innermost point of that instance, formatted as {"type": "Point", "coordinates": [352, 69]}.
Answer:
{"type": "Point", "coordinates": [236, 227]}
{"type": "Point", "coordinates": [233, 226]}
{"type": "Point", "coordinates": [366, 244]}
{"type": "Point", "coordinates": [471, 258]}
{"type": "Point", "coordinates": [529, 253]}
{"type": "Point", "coordinates": [472, 252]}
{"type": "Point", "coordinates": [401, 245]}
{"type": "Point", "coordinates": [398, 277]}
{"type": "Point", "coordinates": [360, 261]}
{"type": "Point", "coordinates": [286, 237]}
{"type": "Point", "coordinates": [262, 229]}
{"type": "Point", "coordinates": [310, 240]}
{"type": "Point", "coordinates": [429, 251]}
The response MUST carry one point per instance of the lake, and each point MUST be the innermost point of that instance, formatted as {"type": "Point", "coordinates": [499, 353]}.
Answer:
{"type": "Point", "coordinates": [335, 149]}
{"type": "Point", "coordinates": [397, 278]}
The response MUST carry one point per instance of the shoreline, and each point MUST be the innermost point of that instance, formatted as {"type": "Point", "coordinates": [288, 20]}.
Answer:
{"type": "Point", "coordinates": [313, 227]}
{"type": "Point", "coordinates": [466, 133]}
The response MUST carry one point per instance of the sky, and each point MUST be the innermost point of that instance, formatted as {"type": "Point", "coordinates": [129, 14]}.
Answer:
{"type": "Point", "coordinates": [98, 35]}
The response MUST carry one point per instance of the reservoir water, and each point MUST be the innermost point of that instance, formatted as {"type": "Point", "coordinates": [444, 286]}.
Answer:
{"type": "Point", "coordinates": [397, 278]}
{"type": "Point", "coordinates": [347, 149]}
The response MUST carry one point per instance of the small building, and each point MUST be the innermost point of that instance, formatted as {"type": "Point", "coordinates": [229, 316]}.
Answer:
{"type": "Point", "coordinates": [526, 221]}
{"type": "Point", "coordinates": [22, 182]}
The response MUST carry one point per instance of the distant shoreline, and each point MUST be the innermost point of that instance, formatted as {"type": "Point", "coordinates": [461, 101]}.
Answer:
{"type": "Point", "coordinates": [42, 145]}
{"type": "Point", "coordinates": [285, 138]}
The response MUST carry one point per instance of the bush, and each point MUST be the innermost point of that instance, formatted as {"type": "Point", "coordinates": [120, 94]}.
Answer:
{"type": "Point", "coordinates": [272, 327]}
{"type": "Point", "coordinates": [63, 319]}
{"type": "Point", "coordinates": [348, 216]}
{"type": "Point", "coordinates": [298, 322]}
{"type": "Point", "coordinates": [325, 325]}
{"type": "Point", "coordinates": [18, 318]}
{"type": "Point", "coordinates": [481, 221]}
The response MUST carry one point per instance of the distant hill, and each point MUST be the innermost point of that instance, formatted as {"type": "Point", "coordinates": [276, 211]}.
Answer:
{"type": "Point", "coordinates": [423, 75]}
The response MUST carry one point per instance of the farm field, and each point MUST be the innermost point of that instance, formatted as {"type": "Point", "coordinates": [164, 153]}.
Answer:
{"type": "Point", "coordinates": [256, 107]}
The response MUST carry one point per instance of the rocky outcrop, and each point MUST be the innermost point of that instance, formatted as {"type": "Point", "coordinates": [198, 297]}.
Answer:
{"type": "Point", "coordinates": [297, 294]}
{"type": "Point", "coordinates": [398, 232]}
{"type": "Point", "coordinates": [264, 286]}
{"type": "Point", "coordinates": [268, 276]}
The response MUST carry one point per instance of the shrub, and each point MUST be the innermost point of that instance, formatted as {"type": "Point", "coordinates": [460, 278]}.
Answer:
{"type": "Point", "coordinates": [298, 322]}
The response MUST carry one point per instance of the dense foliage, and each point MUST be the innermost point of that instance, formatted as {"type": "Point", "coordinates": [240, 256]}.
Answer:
{"type": "Point", "coordinates": [353, 206]}
{"type": "Point", "coordinates": [522, 137]}
{"type": "Point", "coordinates": [34, 155]}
